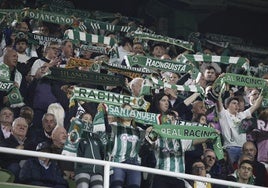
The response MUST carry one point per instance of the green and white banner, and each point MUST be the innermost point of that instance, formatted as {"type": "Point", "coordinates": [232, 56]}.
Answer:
{"type": "Point", "coordinates": [242, 80]}
{"type": "Point", "coordinates": [99, 96]}
{"type": "Point", "coordinates": [73, 138]}
{"type": "Point", "coordinates": [188, 88]}
{"type": "Point", "coordinates": [148, 36]}
{"type": "Point", "coordinates": [48, 17]}
{"type": "Point", "coordinates": [6, 85]}
{"type": "Point", "coordinates": [78, 36]}
{"type": "Point", "coordinates": [240, 61]}
{"type": "Point", "coordinates": [138, 116]}
{"type": "Point", "coordinates": [181, 131]}
{"type": "Point", "coordinates": [155, 63]}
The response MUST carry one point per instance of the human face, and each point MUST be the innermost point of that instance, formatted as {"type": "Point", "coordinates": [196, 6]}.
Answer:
{"type": "Point", "coordinates": [233, 107]}
{"type": "Point", "coordinates": [245, 171]}
{"type": "Point", "coordinates": [158, 51]}
{"type": "Point", "coordinates": [87, 118]}
{"type": "Point", "coordinates": [136, 88]}
{"type": "Point", "coordinates": [20, 127]}
{"type": "Point", "coordinates": [173, 78]}
{"type": "Point", "coordinates": [21, 47]}
{"type": "Point", "coordinates": [53, 51]}
{"type": "Point", "coordinates": [250, 150]}
{"type": "Point", "coordinates": [68, 49]}
{"type": "Point", "coordinates": [49, 123]}
{"type": "Point", "coordinates": [138, 48]}
{"type": "Point", "coordinates": [6, 116]}
{"type": "Point", "coordinates": [203, 119]}
{"type": "Point", "coordinates": [210, 75]}
{"type": "Point", "coordinates": [164, 104]}
{"type": "Point", "coordinates": [209, 158]}
{"type": "Point", "coordinates": [11, 58]}
{"type": "Point", "coordinates": [60, 135]}
{"type": "Point", "coordinates": [198, 168]}
{"type": "Point", "coordinates": [199, 108]}
{"type": "Point", "coordinates": [23, 27]}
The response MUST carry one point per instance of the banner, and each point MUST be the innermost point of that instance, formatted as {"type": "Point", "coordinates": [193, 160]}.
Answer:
{"type": "Point", "coordinates": [138, 116]}
{"type": "Point", "coordinates": [188, 88]}
{"type": "Point", "coordinates": [78, 36]}
{"type": "Point", "coordinates": [131, 72]}
{"type": "Point", "coordinates": [5, 85]}
{"type": "Point", "coordinates": [41, 39]}
{"type": "Point", "coordinates": [155, 63]}
{"type": "Point", "coordinates": [164, 39]}
{"type": "Point", "coordinates": [192, 132]}
{"type": "Point", "coordinates": [242, 80]}
{"type": "Point", "coordinates": [76, 76]}
{"type": "Point", "coordinates": [79, 62]}
{"type": "Point", "coordinates": [48, 17]}
{"type": "Point", "coordinates": [99, 96]}
{"type": "Point", "coordinates": [240, 61]}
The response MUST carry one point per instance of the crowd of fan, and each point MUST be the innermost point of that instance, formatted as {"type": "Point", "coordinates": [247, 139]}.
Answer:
{"type": "Point", "coordinates": [43, 122]}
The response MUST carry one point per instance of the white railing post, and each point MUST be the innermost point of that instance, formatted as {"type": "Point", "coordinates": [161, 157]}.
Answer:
{"type": "Point", "coordinates": [106, 175]}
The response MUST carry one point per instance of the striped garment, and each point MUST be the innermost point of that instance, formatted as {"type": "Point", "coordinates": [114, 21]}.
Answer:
{"type": "Point", "coordinates": [126, 143]}
{"type": "Point", "coordinates": [170, 154]}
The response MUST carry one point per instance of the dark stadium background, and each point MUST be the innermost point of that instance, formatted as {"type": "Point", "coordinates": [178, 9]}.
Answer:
{"type": "Point", "coordinates": [244, 18]}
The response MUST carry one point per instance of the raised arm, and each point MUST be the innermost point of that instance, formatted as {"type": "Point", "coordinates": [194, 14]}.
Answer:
{"type": "Point", "coordinates": [257, 104]}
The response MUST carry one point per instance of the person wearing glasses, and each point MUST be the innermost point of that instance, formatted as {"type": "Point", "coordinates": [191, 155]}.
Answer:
{"type": "Point", "coordinates": [209, 159]}
{"type": "Point", "coordinates": [50, 59]}
{"type": "Point", "coordinates": [244, 173]}
{"type": "Point", "coordinates": [199, 169]}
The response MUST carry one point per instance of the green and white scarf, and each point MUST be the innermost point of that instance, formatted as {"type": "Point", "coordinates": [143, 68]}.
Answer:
{"type": "Point", "coordinates": [99, 96]}
{"type": "Point", "coordinates": [138, 116]}
{"type": "Point", "coordinates": [192, 132]}
{"type": "Point", "coordinates": [50, 17]}
{"type": "Point", "coordinates": [155, 63]}
{"type": "Point", "coordinates": [164, 39]}
{"type": "Point", "coordinates": [78, 36]}
{"type": "Point", "coordinates": [239, 61]}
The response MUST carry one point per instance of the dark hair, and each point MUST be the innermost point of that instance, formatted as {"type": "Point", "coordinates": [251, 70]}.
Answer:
{"type": "Point", "coordinates": [198, 117]}
{"type": "Point", "coordinates": [209, 67]}
{"type": "Point", "coordinates": [155, 102]}
{"type": "Point", "coordinates": [246, 161]}
{"type": "Point", "coordinates": [229, 99]}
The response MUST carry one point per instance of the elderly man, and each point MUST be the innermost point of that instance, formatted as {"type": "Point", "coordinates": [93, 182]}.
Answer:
{"type": "Point", "coordinates": [9, 72]}
{"type": "Point", "coordinates": [6, 119]}
{"type": "Point", "coordinates": [17, 140]}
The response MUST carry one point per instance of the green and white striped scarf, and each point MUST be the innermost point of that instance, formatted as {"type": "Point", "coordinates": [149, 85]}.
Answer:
{"type": "Point", "coordinates": [160, 38]}
{"type": "Point", "coordinates": [99, 96]}
{"type": "Point", "coordinates": [78, 36]}
{"type": "Point", "coordinates": [138, 116]}
{"type": "Point", "coordinates": [155, 63]}
{"type": "Point", "coordinates": [239, 61]}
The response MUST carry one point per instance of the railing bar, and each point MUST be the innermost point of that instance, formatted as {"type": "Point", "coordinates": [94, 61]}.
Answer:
{"type": "Point", "coordinates": [121, 165]}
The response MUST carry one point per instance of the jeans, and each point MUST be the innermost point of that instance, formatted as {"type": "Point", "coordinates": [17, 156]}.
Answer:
{"type": "Point", "coordinates": [234, 153]}
{"type": "Point", "coordinates": [133, 178]}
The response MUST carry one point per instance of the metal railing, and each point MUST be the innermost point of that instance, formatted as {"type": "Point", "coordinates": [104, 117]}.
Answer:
{"type": "Point", "coordinates": [107, 165]}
